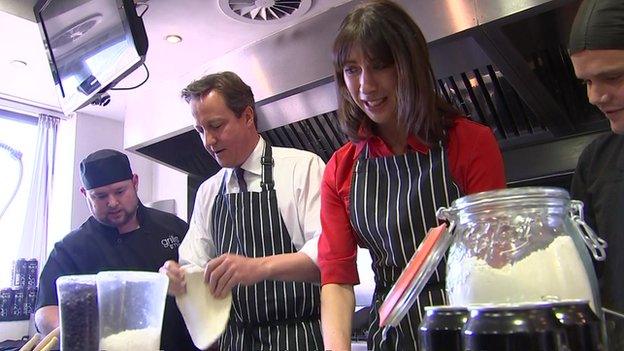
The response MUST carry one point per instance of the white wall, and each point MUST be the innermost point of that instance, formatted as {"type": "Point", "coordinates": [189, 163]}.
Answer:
{"type": "Point", "coordinates": [168, 183]}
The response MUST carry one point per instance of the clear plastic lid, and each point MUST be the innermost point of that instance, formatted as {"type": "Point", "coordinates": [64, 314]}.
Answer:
{"type": "Point", "coordinates": [415, 276]}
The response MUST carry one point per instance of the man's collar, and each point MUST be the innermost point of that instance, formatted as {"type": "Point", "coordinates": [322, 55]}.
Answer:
{"type": "Point", "coordinates": [252, 164]}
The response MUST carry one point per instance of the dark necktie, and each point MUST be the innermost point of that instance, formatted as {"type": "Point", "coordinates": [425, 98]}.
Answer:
{"type": "Point", "coordinates": [241, 179]}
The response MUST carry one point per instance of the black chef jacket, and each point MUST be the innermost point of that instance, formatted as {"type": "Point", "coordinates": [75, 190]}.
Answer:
{"type": "Point", "coordinates": [95, 247]}
{"type": "Point", "coordinates": [599, 183]}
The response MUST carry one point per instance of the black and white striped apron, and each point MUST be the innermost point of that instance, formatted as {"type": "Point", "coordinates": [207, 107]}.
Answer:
{"type": "Point", "coordinates": [393, 204]}
{"type": "Point", "coordinates": [270, 315]}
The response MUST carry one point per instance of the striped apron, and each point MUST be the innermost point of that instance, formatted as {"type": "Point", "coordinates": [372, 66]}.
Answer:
{"type": "Point", "coordinates": [270, 315]}
{"type": "Point", "coordinates": [393, 204]}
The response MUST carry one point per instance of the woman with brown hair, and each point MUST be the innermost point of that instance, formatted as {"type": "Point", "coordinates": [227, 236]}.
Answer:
{"type": "Point", "coordinates": [410, 152]}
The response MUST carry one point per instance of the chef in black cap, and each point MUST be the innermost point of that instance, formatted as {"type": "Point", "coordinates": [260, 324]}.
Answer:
{"type": "Point", "coordinates": [597, 51]}
{"type": "Point", "coordinates": [108, 171]}
{"type": "Point", "coordinates": [121, 234]}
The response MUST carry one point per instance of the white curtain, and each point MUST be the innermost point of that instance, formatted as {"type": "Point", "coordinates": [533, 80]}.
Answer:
{"type": "Point", "coordinates": [35, 236]}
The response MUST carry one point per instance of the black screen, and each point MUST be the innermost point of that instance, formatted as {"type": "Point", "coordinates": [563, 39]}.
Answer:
{"type": "Point", "coordinates": [91, 45]}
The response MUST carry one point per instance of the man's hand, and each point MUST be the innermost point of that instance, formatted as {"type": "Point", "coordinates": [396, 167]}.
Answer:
{"type": "Point", "coordinates": [177, 284]}
{"type": "Point", "coordinates": [47, 319]}
{"type": "Point", "coordinates": [229, 270]}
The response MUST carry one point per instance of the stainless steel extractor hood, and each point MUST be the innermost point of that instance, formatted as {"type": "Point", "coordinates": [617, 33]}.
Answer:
{"type": "Point", "coordinates": [503, 63]}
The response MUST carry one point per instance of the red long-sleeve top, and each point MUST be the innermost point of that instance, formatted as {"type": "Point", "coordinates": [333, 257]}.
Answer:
{"type": "Point", "coordinates": [475, 163]}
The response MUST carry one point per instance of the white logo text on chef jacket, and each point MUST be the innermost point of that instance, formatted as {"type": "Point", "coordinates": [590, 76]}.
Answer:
{"type": "Point", "coordinates": [172, 242]}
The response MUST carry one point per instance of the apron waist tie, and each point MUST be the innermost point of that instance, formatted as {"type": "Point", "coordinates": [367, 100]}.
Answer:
{"type": "Point", "coordinates": [280, 322]}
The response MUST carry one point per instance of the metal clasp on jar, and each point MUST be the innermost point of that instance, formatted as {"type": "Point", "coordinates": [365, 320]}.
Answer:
{"type": "Point", "coordinates": [446, 214]}
{"type": "Point", "coordinates": [594, 243]}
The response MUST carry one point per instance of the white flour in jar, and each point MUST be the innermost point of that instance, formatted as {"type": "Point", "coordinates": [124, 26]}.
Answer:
{"type": "Point", "coordinates": [554, 273]}
{"type": "Point", "coordinates": [147, 339]}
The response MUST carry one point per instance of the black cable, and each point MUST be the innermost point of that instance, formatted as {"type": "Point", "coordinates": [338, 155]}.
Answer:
{"type": "Point", "coordinates": [138, 85]}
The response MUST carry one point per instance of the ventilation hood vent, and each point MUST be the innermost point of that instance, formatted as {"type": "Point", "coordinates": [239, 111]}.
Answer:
{"type": "Point", "coordinates": [264, 11]}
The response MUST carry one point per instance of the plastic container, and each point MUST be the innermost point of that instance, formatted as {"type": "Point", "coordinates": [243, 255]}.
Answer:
{"type": "Point", "coordinates": [78, 309]}
{"type": "Point", "coordinates": [131, 309]}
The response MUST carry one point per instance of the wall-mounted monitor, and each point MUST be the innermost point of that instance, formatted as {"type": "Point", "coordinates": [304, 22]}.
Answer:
{"type": "Point", "coordinates": [91, 46]}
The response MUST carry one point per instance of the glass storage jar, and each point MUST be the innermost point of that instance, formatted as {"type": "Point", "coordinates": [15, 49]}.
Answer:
{"type": "Point", "coordinates": [520, 245]}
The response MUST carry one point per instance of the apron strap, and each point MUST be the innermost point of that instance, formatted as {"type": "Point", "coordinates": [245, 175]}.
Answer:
{"type": "Point", "coordinates": [267, 163]}
{"type": "Point", "coordinates": [363, 154]}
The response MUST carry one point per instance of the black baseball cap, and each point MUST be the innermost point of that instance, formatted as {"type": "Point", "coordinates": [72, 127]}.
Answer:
{"type": "Point", "coordinates": [598, 25]}
{"type": "Point", "coordinates": [104, 167]}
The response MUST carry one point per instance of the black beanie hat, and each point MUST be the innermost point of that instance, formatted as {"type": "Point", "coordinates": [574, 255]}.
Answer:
{"type": "Point", "coordinates": [599, 25]}
{"type": "Point", "coordinates": [104, 167]}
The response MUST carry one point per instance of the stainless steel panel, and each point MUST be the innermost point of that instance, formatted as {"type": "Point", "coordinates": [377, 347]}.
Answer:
{"type": "Point", "coordinates": [440, 18]}
{"type": "Point", "coordinates": [308, 103]}
{"type": "Point", "coordinates": [456, 56]}
{"type": "Point", "coordinates": [490, 10]}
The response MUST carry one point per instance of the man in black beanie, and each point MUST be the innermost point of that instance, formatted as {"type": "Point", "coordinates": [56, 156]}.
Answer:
{"type": "Point", "coordinates": [597, 51]}
{"type": "Point", "coordinates": [121, 234]}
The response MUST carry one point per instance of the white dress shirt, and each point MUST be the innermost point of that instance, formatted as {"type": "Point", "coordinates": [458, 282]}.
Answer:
{"type": "Point", "coordinates": [297, 175]}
